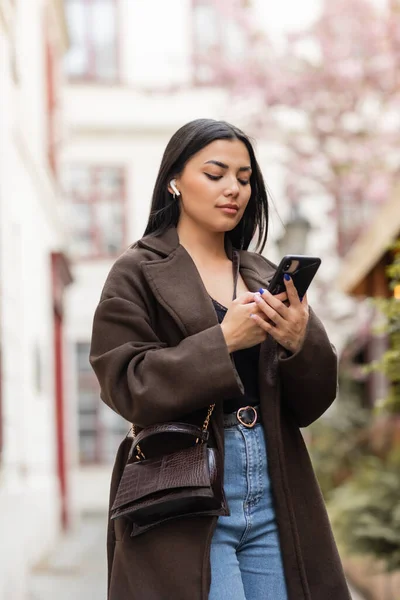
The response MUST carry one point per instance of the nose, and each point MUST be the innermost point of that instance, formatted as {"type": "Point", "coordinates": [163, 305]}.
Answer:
{"type": "Point", "coordinates": [233, 188]}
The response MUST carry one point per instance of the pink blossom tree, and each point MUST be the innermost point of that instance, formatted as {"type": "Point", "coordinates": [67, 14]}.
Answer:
{"type": "Point", "coordinates": [333, 93]}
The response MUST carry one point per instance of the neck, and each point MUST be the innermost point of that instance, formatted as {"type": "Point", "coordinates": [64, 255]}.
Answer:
{"type": "Point", "coordinates": [202, 245]}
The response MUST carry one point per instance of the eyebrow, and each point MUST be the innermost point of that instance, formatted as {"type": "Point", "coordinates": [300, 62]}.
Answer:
{"type": "Point", "coordinates": [224, 166]}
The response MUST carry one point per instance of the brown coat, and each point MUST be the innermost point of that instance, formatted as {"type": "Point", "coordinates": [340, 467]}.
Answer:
{"type": "Point", "coordinates": [159, 354]}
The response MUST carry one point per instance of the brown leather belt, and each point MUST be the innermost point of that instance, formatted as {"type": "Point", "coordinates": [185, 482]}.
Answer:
{"type": "Point", "coordinates": [247, 416]}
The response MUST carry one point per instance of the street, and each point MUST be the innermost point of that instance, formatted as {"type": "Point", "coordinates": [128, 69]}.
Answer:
{"type": "Point", "coordinates": [77, 569]}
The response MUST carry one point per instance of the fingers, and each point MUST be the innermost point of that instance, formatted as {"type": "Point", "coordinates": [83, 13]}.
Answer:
{"type": "Point", "coordinates": [291, 291]}
{"type": "Point", "coordinates": [248, 300]}
{"type": "Point", "coordinates": [269, 328]}
{"type": "Point", "coordinates": [245, 298]}
{"type": "Point", "coordinates": [275, 303]}
{"type": "Point", "coordinates": [282, 297]}
{"type": "Point", "coordinates": [286, 324]}
{"type": "Point", "coordinates": [264, 325]}
{"type": "Point", "coordinates": [268, 310]}
{"type": "Point", "coordinates": [287, 340]}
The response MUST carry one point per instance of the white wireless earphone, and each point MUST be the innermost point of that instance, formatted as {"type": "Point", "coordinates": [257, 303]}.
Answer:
{"type": "Point", "coordinates": [172, 183]}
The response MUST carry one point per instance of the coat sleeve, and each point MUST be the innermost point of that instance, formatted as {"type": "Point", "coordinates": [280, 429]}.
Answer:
{"type": "Point", "coordinates": [309, 377]}
{"type": "Point", "coordinates": [142, 378]}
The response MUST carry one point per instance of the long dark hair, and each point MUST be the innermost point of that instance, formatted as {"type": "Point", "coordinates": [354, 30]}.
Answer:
{"type": "Point", "coordinates": [186, 142]}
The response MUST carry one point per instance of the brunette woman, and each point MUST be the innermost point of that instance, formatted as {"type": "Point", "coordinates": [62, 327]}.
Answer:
{"type": "Point", "coordinates": [177, 329]}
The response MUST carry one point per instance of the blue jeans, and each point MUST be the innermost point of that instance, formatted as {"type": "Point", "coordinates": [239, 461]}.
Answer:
{"type": "Point", "coordinates": [246, 561]}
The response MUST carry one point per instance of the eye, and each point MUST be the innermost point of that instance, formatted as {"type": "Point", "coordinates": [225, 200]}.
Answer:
{"type": "Point", "coordinates": [213, 177]}
{"type": "Point", "coordinates": [243, 182]}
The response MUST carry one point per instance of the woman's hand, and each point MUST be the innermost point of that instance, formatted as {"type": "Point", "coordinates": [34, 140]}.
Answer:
{"type": "Point", "coordinates": [286, 324]}
{"type": "Point", "coordinates": [241, 331]}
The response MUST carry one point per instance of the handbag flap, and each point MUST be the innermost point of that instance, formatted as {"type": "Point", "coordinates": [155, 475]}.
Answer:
{"type": "Point", "coordinates": [181, 469]}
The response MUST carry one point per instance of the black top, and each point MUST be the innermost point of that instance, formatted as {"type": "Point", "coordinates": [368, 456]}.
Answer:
{"type": "Point", "coordinates": [246, 363]}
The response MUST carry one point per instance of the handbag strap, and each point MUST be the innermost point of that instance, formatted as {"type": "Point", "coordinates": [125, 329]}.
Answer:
{"type": "Point", "coordinates": [181, 428]}
{"type": "Point", "coordinates": [235, 267]}
{"type": "Point", "coordinates": [185, 428]}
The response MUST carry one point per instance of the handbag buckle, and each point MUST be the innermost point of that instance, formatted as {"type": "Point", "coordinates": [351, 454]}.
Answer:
{"type": "Point", "coordinates": [240, 419]}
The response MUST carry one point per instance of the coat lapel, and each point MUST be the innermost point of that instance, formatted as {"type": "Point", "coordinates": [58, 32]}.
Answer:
{"type": "Point", "coordinates": [255, 270]}
{"type": "Point", "coordinates": [178, 287]}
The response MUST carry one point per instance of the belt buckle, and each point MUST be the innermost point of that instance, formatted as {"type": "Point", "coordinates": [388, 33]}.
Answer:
{"type": "Point", "coordinates": [249, 425]}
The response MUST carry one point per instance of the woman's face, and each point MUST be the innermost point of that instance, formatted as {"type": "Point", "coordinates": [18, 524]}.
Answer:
{"type": "Point", "coordinates": [215, 186]}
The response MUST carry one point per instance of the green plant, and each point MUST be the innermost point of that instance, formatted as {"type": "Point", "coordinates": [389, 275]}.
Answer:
{"type": "Point", "coordinates": [338, 442]}
{"type": "Point", "coordinates": [365, 511]}
{"type": "Point", "coordinates": [389, 363]}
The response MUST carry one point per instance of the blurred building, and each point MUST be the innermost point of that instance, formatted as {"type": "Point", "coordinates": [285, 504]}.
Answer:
{"type": "Point", "coordinates": [35, 440]}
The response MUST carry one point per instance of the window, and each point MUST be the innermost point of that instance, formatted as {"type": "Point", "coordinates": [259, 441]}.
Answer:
{"type": "Point", "coordinates": [100, 429]}
{"type": "Point", "coordinates": [96, 198]}
{"type": "Point", "coordinates": [93, 31]}
{"type": "Point", "coordinates": [206, 39]}
{"type": "Point", "coordinates": [219, 38]}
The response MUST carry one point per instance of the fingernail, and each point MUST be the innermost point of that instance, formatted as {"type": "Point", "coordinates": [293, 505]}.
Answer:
{"type": "Point", "coordinates": [261, 291]}
{"type": "Point", "coordinates": [301, 298]}
{"type": "Point", "coordinates": [287, 277]}
{"type": "Point", "coordinates": [257, 297]}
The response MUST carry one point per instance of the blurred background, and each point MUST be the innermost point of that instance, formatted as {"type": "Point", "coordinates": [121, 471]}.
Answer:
{"type": "Point", "coordinates": [90, 93]}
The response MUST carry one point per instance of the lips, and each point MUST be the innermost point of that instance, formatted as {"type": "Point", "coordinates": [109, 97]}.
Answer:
{"type": "Point", "coordinates": [230, 206]}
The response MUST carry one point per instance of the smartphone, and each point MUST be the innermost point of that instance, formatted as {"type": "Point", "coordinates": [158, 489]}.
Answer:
{"type": "Point", "coordinates": [300, 268]}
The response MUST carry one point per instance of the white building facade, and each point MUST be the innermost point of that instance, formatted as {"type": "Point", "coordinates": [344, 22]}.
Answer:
{"type": "Point", "coordinates": [34, 458]}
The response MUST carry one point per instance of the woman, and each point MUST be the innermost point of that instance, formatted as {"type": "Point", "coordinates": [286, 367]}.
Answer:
{"type": "Point", "coordinates": [164, 335]}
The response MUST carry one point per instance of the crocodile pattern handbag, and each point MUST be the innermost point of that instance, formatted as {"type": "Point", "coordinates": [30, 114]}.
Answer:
{"type": "Point", "coordinates": [178, 484]}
